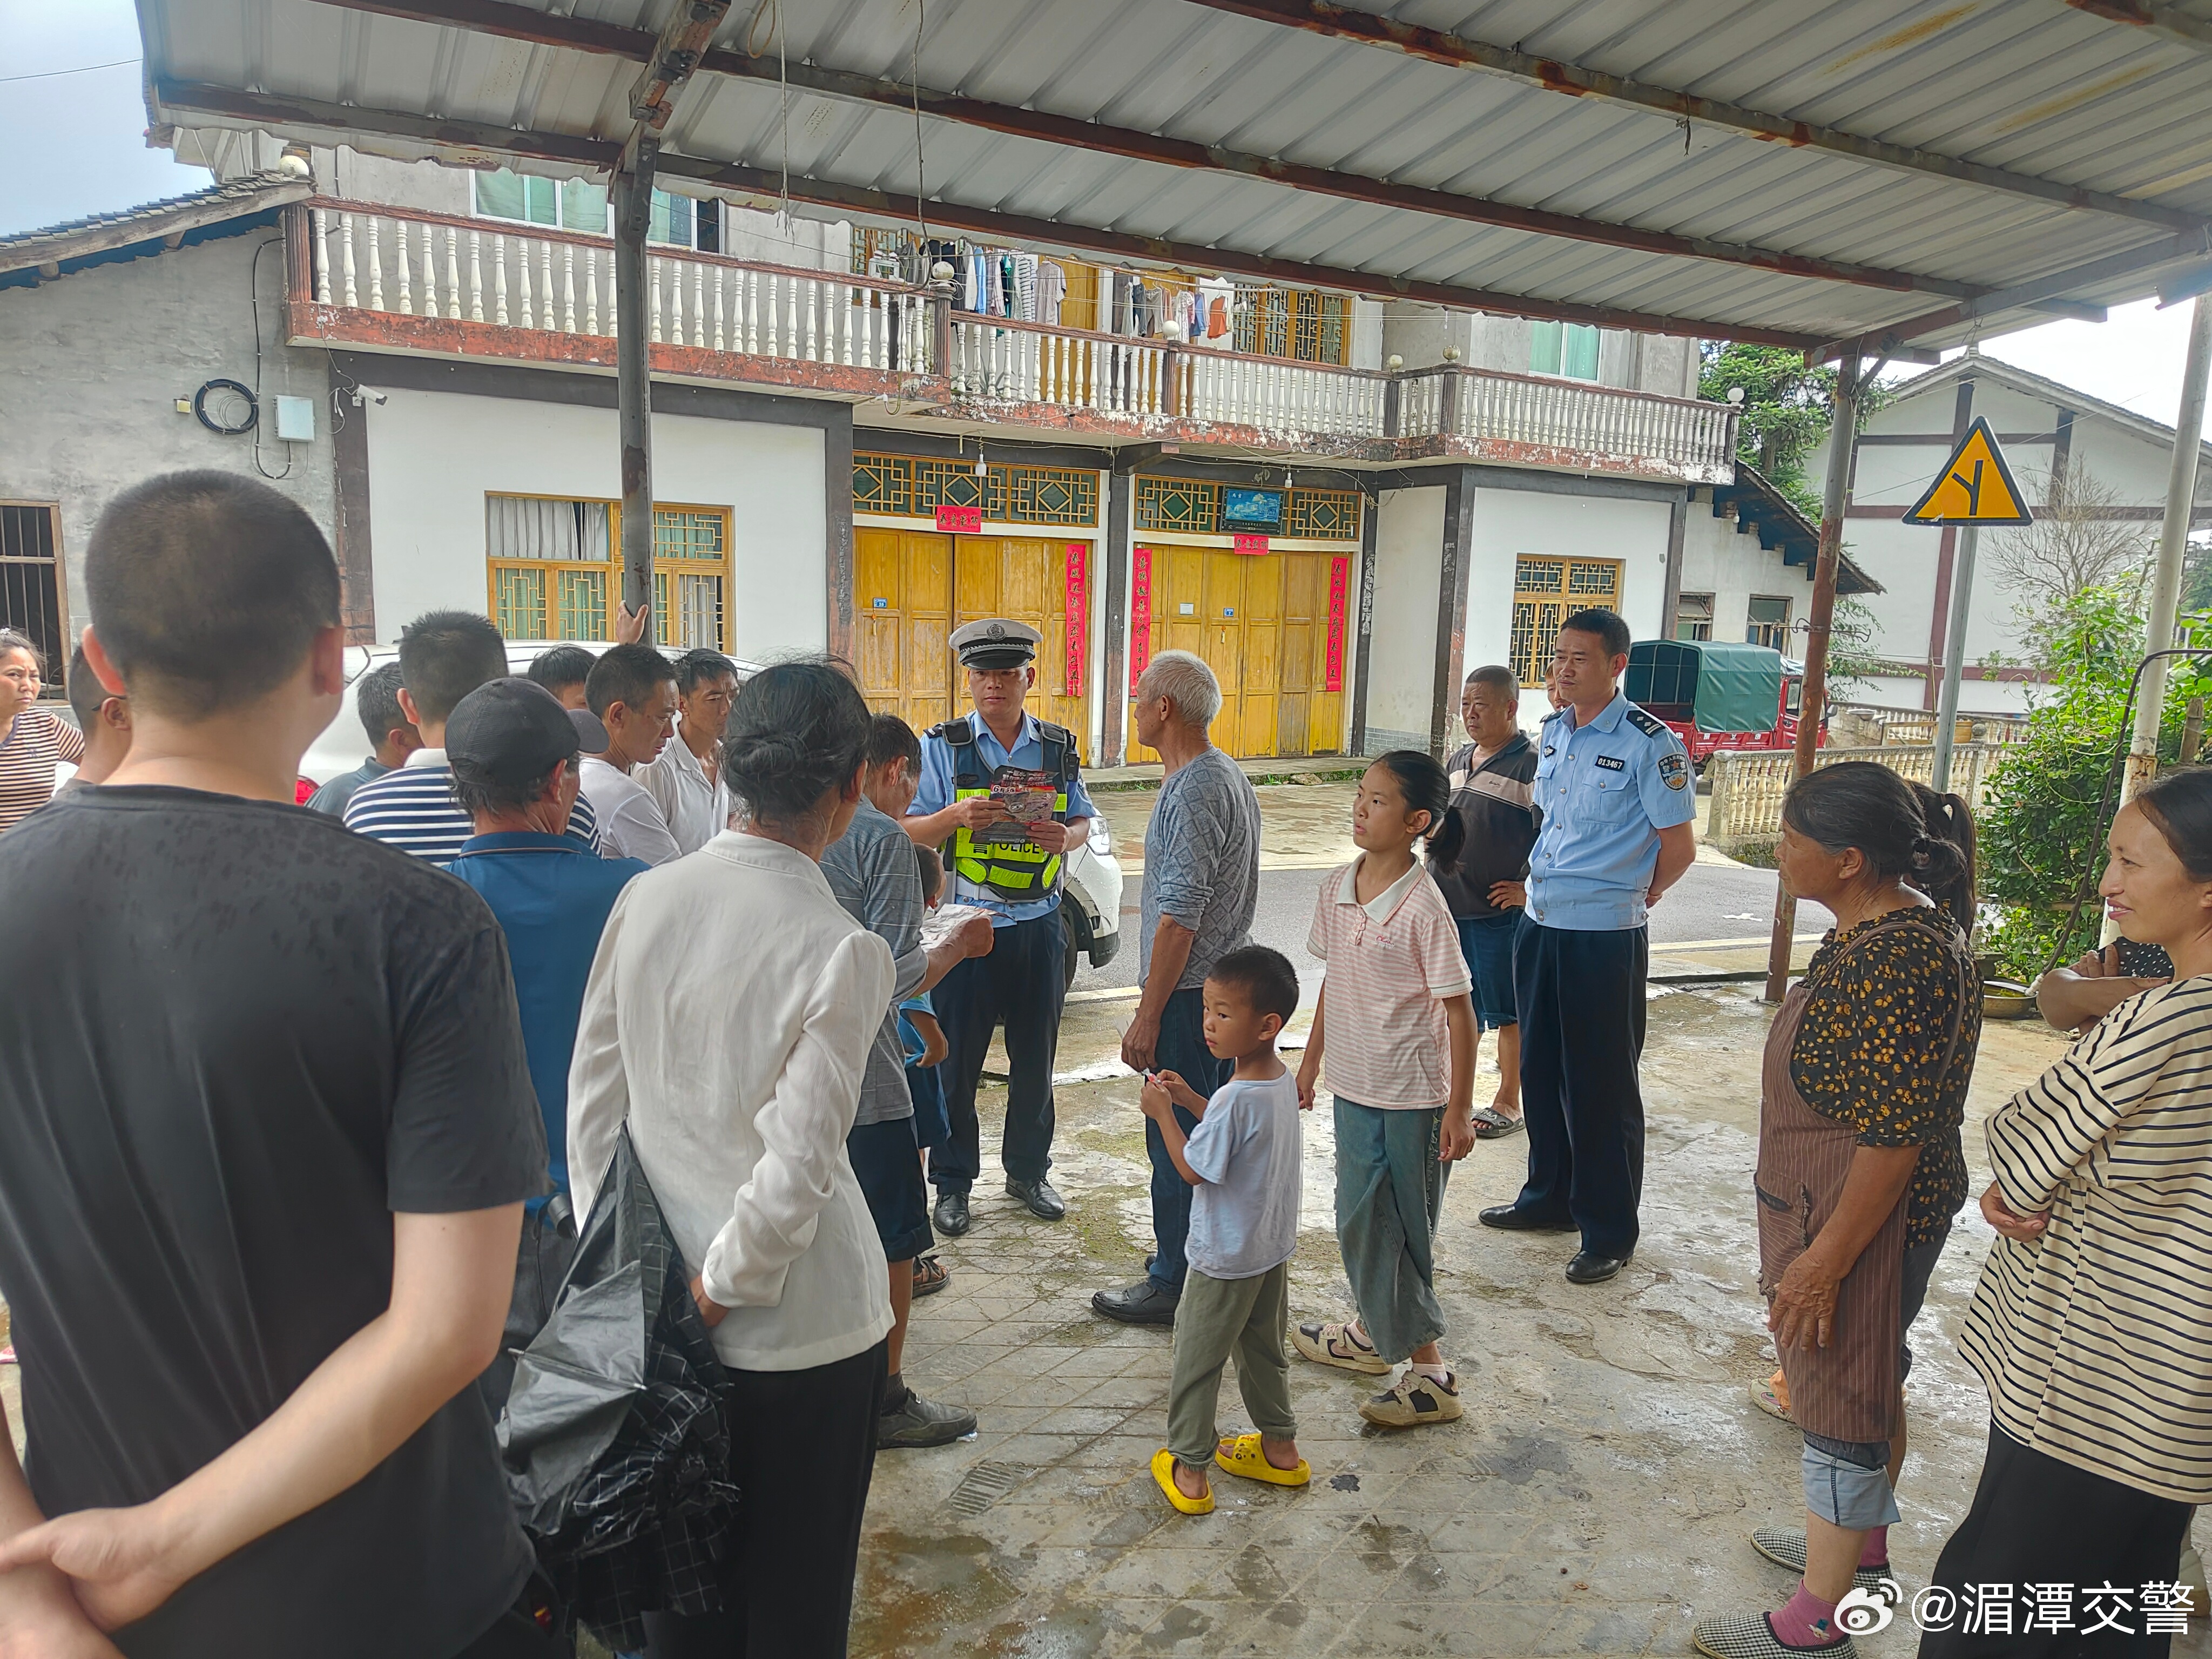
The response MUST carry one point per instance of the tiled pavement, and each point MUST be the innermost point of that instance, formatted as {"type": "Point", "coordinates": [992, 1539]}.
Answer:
{"type": "Point", "coordinates": [1597, 1498]}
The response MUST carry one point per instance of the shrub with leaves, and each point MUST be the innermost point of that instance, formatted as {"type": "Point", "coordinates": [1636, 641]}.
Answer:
{"type": "Point", "coordinates": [2039, 824]}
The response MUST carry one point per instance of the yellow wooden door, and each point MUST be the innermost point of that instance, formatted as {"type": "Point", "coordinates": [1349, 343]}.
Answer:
{"type": "Point", "coordinates": [1025, 581]}
{"type": "Point", "coordinates": [1178, 621]}
{"type": "Point", "coordinates": [1305, 613]}
{"type": "Point", "coordinates": [1260, 673]}
{"type": "Point", "coordinates": [902, 592]}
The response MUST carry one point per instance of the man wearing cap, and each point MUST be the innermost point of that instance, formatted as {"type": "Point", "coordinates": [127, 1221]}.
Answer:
{"type": "Point", "coordinates": [1002, 793]}
{"type": "Point", "coordinates": [514, 752]}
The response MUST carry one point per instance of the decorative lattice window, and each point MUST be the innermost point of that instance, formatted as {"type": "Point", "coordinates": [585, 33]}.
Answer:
{"type": "Point", "coordinates": [1594, 579]}
{"type": "Point", "coordinates": [1545, 592]}
{"type": "Point", "coordinates": [1324, 515]}
{"type": "Point", "coordinates": [1186, 504]}
{"type": "Point", "coordinates": [883, 483]}
{"type": "Point", "coordinates": [915, 487]}
{"type": "Point", "coordinates": [1050, 494]}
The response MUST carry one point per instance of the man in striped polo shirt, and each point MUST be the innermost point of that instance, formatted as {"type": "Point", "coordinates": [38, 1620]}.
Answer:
{"type": "Point", "coordinates": [443, 656]}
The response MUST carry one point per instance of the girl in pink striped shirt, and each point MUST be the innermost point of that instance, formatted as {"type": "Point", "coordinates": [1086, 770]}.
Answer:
{"type": "Point", "coordinates": [1398, 1027]}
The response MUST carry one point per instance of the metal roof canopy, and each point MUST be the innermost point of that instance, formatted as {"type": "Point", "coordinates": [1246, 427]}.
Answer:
{"type": "Point", "coordinates": [1891, 175]}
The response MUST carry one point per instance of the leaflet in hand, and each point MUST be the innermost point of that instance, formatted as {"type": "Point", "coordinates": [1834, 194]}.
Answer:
{"type": "Point", "coordinates": [1029, 796]}
{"type": "Point", "coordinates": [942, 923]}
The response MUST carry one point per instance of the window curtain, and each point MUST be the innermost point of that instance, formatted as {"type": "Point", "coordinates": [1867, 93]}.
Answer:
{"type": "Point", "coordinates": [523, 527]}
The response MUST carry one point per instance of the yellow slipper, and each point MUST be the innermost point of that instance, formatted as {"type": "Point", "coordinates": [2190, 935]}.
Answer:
{"type": "Point", "coordinates": [1164, 1462]}
{"type": "Point", "coordinates": [1243, 1455]}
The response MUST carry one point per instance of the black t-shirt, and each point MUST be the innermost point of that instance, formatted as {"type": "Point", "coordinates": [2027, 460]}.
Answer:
{"type": "Point", "coordinates": [237, 1038]}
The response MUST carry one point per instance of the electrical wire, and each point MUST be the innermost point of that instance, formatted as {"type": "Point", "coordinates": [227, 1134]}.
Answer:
{"type": "Point", "coordinates": [49, 74]}
{"type": "Point", "coordinates": [913, 85]}
{"type": "Point", "coordinates": [254, 296]}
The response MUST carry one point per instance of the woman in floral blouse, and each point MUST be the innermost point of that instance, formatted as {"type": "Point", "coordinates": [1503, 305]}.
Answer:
{"type": "Point", "coordinates": [1861, 1167]}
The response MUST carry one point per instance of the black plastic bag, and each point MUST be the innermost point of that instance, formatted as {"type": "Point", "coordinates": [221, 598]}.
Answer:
{"type": "Point", "coordinates": [617, 1447]}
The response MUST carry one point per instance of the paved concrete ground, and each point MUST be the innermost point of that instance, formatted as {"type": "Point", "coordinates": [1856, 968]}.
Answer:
{"type": "Point", "coordinates": [1596, 1499]}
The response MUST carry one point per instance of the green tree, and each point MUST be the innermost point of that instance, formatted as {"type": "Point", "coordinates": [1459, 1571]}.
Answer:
{"type": "Point", "coordinates": [1787, 410]}
{"type": "Point", "coordinates": [2038, 823]}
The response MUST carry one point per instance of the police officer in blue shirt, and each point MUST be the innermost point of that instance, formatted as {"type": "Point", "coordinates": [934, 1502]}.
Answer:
{"type": "Point", "coordinates": [1613, 785]}
{"type": "Point", "coordinates": [1002, 793]}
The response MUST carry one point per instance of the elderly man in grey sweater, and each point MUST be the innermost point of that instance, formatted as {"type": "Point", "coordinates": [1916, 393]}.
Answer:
{"type": "Point", "coordinates": [1201, 882]}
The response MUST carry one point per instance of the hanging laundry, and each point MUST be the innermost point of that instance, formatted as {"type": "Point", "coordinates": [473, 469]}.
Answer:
{"type": "Point", "coordinates": [972, 300]}
{"type": "Point", "coordinates": [1025, 287]}
{"type": "Point", "coordinates": [1118, 319]}
{"type": "Point", "coordinates": [1051, 291]}
{"type": "Point", "coordinates": [1005, 273]}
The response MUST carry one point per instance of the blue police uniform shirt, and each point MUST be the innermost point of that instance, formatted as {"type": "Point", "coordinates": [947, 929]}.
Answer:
{"type": "Point", "coordinates": [936, 794]}
{"type": "Point", "coordinates": [552, 895]}
{"type": "Point", "coordinates": [1606, 790]}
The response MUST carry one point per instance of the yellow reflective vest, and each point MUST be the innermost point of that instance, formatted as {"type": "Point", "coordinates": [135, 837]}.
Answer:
{"type": "Point", "coordinates": [997, 858]}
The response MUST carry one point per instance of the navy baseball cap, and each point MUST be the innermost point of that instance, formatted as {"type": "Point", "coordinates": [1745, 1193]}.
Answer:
{"type": "Point", "coordinates": [512, 731]}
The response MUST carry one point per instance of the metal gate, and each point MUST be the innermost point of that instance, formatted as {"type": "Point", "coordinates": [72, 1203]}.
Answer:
{"type": "Point", "coordinates": [33, 599]}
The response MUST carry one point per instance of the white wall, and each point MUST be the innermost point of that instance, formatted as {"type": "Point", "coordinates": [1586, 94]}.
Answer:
{"type": "Point", "coordinates": [1720, 559]}
{"type": "Point", "coordinates": [1508, 523]}
{"type": "Point", "coordinates": [94, 362]}
{"type": "Point", "coordinates": [433, 456]}
{"type": "Point", "coordinates": [1401, 675]}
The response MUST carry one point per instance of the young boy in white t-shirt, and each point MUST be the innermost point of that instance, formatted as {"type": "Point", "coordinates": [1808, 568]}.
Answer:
{"type": "Point", "coordinates": [1242, 1161]}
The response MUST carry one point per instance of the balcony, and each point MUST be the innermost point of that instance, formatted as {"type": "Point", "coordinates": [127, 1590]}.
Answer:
{"type": "Point", "coordinates": [381, 279]}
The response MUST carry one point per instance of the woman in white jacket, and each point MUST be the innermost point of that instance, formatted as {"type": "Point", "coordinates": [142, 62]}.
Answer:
{"type": "Point", "coordinates": [728, 1019]}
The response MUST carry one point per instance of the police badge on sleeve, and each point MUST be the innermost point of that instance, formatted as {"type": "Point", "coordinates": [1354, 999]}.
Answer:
{"type": "Point", "coordinates": [1674, 769]}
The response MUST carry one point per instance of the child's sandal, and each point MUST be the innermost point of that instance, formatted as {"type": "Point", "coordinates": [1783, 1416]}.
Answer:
{"type": "Point", "coordinates": [1244, 1456]}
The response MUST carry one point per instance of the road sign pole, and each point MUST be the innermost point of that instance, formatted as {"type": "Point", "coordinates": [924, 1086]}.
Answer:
{"type": "Point", "coordinates": [1843, 443]}
{"type": "Point", "coordinates": [2173, 542]}
{"type": "Point", "coordinates": [1954, 657]}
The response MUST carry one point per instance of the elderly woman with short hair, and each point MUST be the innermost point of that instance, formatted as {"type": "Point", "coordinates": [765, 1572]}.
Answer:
{"type": "Point", "coordinates": [728, 1020]}
{"type": "Point", "coordinates": [2092, 1327]}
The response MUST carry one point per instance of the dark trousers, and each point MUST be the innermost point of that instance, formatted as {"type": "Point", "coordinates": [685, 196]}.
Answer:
{"type": "Point", "coordinates": [1019, 985]}
{"type": "Point", "coordinates": [802, 1448]}
{"type": "Point", "coordinates": [1580, 996]}
{"type": "Point", "coordinates": [1182, 1049]}
{"type": "Point", "coordinates": [2038, 1521]}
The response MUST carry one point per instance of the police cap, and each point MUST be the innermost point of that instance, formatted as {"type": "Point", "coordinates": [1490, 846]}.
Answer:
{"type": "Point", "coordinates": [996, 643]}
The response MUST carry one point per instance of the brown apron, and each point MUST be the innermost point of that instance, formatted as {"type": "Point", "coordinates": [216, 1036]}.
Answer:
{"type": "Point", "coordinates": [1849, 1389]}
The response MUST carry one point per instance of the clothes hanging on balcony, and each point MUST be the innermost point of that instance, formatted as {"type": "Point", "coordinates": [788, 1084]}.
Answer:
{"type": "Point", "coordinates": [1117, 316]}
{"type": "Point", "coordinates": [1051, 291]}
{"type": "Point", "coordinates": [1024, 269]}
{"type": "Point", "coordinates": [972, 294]}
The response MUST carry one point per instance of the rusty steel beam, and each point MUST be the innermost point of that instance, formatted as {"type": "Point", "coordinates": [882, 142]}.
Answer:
{"type": "Point", "coordinates": [313, 119]}
{"type": "Point", "coordinates": [2173, 22]}
{"type": "Point", "coordinates": [524, 23]}
{"type": "Point", "coordinates": [1325, 18]}
{"type": "Point", "coordinates": [675, 54]}
{"type": "Point", "coordinates": [2036, 292]}
{"type": "Point", "coordinates": [1138, 146]}
{"type": "Point", "coordinates": [1020, 230]}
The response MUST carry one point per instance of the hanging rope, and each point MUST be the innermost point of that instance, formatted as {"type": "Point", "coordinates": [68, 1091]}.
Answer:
{"type": "Point", "coordinates": [914, 83]}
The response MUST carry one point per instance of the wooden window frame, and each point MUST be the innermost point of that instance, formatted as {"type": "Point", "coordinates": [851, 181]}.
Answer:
{"type": "Point", "coordinates": [663, 570]}
{"type": "Point", "coordinates": [1782, 627]}
{"type": "Point", "coordinates": [1537, 613]}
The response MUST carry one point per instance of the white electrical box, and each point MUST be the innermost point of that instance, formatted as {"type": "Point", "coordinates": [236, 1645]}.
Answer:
{"type": "Point", "coordinates": [295, 420]}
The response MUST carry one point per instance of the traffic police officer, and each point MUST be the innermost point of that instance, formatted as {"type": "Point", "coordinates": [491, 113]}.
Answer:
{"type": "Point", "coordinates": [1010, 863]}
{"type": "Point", "coordinates": [1613, 785]}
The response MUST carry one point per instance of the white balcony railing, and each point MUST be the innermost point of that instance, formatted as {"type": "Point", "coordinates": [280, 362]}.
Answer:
{"type": "Point", "coordinates": [552, 283]}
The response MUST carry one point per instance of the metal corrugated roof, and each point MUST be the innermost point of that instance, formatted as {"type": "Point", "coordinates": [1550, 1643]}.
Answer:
{"type": "Point", "coordinates": [2039, 89]}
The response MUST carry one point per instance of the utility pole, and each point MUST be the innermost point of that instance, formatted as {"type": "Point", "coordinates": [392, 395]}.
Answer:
{"type": "Point", "coordinates": [2173, 542]}
{"type": "Point", "coordinates": [1843, 444]}
{"type": "Point", "coordinates": [1954, 657]}
{"type": "Point", "coordinates": [633, 206]}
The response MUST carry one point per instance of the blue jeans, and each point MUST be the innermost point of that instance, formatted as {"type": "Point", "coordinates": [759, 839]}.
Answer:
{"type": "Point", "coordinates": [1486, 942]}
{"type": "Point", "coordinates": [1182, 1049]}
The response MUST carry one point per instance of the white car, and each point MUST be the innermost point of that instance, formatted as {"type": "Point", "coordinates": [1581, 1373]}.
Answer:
{"type": "Point", "coordinates": [1091, 901]}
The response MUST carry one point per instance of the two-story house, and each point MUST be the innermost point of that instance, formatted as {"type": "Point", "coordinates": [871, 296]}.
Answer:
{"type": "Point", "coordinates": [866, 435]}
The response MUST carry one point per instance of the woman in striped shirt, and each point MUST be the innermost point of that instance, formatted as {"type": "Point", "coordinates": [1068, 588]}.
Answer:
{"type": "Point", "coordinates": [33, 740]}
{"type": "Point", "coordinates": [2092, 1327]}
